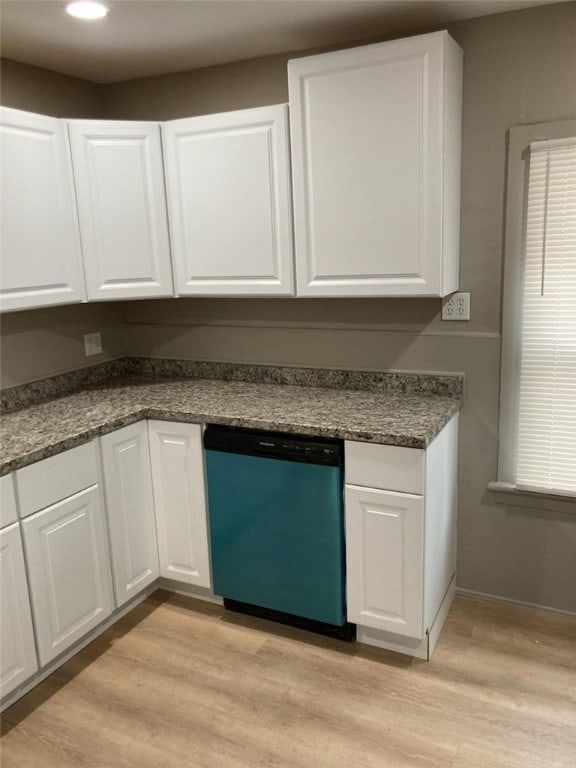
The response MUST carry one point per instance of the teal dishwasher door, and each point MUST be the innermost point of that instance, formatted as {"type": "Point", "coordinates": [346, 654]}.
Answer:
{"type": "Point", "coordinates": [277, 536]}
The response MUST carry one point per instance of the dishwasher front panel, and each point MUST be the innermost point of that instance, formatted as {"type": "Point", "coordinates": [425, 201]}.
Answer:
{"type": "Point", "coordinates": [277, 534]}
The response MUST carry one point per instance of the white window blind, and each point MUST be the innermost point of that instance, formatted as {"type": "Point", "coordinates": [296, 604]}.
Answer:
{"type": "Point", "coordinates": [546, 442]}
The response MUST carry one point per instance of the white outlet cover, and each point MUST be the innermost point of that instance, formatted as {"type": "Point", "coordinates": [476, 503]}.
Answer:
{"type": "Point", "coordinates": [92, 343]}
{"type": "Point", "coordinates": [456, 307]}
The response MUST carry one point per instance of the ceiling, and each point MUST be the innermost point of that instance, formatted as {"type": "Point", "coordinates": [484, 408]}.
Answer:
{"type": "Point", "coordinates": [140, 39]}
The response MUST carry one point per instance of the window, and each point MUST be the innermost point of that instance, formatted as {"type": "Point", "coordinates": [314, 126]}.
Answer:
{"type": "Point", "coordinates": [538, 385]}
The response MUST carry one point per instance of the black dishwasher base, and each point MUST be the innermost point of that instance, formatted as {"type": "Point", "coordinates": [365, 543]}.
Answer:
{"type": "Point", "coordinates": [346, 632]}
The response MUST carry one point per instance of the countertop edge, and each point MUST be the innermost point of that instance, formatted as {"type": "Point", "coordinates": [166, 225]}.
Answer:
{"type": "Point", "coordinates": [165, 414]}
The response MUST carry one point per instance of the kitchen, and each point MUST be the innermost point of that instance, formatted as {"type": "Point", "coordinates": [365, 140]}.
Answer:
{"type": "Point", "coordinates": [518, 70]}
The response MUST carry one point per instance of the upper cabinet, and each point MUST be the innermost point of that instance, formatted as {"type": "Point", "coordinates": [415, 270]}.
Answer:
{"type": "Point", "coordinates": [375, 145]}
{"type": "Point", "coordinates": [40, 244]}
{"type": "Point", "coordinates": [229, 203]}
{"type": "Point", "coordinates": [122, 209]}
{"type": "Point", "coordinates": [376, 134]}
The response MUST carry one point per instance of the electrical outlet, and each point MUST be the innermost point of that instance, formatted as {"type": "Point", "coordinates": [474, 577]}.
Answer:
{"type": "Point", "coordinates": [92, 343]}
{"type": "Point", "coordinates": [456, 307]}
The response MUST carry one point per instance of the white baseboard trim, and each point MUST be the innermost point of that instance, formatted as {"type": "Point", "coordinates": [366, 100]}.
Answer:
{"type": "Point", "coordinates": [199, 593]}
{"type": "Point", "coordinates": [511, 601]}
{"type": "Point", "coordinates": [46, 671]}
{"type": "Point", "coordinates": [441, 616]}
{"type": "Point", "coordinates": [419, 649]}
{"type": "Point", "coordinates": [188, 590]}
{"type": "Point", "coordinates": [389, 642]}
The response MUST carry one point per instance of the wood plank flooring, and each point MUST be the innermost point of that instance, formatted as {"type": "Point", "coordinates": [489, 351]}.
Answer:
{"type": "Point", "coordinates": [183, 684]}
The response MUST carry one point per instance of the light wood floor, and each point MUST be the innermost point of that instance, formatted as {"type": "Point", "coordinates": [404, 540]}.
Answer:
{"type": "Point", "coordinates": [183, 684]}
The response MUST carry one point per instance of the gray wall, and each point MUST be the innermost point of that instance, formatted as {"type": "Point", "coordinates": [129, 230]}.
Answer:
{"type": "Point", "coordinates": [519, 68]}
{"type": "Point", "coordinates": [39, 90]}
{"type": "Point", "coordinates": [44, 342]}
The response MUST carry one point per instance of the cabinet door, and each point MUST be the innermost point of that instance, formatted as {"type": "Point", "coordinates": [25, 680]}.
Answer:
{"type": "Point", "coordinates": [228, 183]}
{"type": "Point", "coordinates": [130, 510]}
{"type": "Point", "coordinates": [371, 192]}
{"type": "Point", "coordinates": [17, 650]}
{"type": "Point", "coordinates": [69, 570]}
{"type": "Point", "coordinates": [384, 560]}
{"type": "Point", "coordinates": [180, 501]}
{"type": "Point", "coordinates": [122, 208]}
{"type": "Point", "coordinates": [40, 245]}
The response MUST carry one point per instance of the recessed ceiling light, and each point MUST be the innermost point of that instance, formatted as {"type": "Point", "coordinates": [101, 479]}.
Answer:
{"type": "Point", "coordinates": [87, 9]}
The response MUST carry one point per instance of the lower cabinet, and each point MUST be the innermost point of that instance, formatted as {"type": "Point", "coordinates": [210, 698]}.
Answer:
{"type": "Point", "coordinates": [130, 510]}
{"type": "Point", "coordinates": [69, 570]}
{"type": "Point", "coordinates": [17, 650]}
{"type": "Point", "coordinates": [179, 498]}
{"type": "Point", "coordinates": [384, 545]}
{"type": "Point", "coordinates": [400, 518]}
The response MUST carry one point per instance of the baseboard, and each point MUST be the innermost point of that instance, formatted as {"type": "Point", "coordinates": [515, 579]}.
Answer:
{"type": "Point", "coordinates": [390, 642]}
{"type": "Point", "coordinates": [419, 649]}
{"type": "Point", "coordinates": [189, 590]}
{"type": "Point", "coordinates": [511, 601]}
{"type": "Point", "coordinates": [46, 671]}
{"type": "Point", "coordinates": [441, 616]}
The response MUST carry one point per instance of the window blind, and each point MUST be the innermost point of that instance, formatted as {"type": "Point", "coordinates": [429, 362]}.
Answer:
{"type": "Point", "coordinates": [546, 443]}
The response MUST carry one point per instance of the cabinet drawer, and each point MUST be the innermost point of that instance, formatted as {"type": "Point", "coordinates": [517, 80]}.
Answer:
{"type": "Point", "coordinates": [388, 467]}
{"type": "Point", "coordinates": [8, 512]}
{"type": "Point", "coordinates": [53, 479]}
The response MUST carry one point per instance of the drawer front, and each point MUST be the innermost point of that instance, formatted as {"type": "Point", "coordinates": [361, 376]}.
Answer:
{"type": "Point", "coordinates": [388, 467]}
{"type": "Point", "coordinates": [56, 478]}
{"type": "Point", "coordinates": [8, 510]}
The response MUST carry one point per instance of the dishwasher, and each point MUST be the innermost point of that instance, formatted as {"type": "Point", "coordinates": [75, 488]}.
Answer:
{"type": "Point", "coordinates": [275, 507]}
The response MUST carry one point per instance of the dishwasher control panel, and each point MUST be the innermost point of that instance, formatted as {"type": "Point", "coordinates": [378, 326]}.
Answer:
{"type": "Point", "coordinates": [275, 445]}
{"type": "Point", "coordinates": [281, 447]}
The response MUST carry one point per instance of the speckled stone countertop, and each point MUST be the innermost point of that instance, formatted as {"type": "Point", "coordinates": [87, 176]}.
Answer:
{"type": "Point", "coordinates": [47, 428]}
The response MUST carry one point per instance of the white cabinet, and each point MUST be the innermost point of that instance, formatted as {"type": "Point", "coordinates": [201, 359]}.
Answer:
{"type": "Point", "coordinates": [384, 540]}
{"type": "Point", "coordinates": [180, 502]}
{"type": "Point", "coordinates": [130, 510]}
{"type": "Point", "coordinates": [122, 208]}
{"type": "Point", "coordinates": [69, 571]}
{"type": "Point", "coordinates": [400, 519]}
{"type": "Point", "coordinates": [40, 244]}
{"type": "Point", "coordinates": [228, 186]}
{"type": "Point", "coordinates": [17, 650]}
{"type": "Point", "coordinates": [45, 482]}
{"type": "Point", "coordinates": [376, 168]}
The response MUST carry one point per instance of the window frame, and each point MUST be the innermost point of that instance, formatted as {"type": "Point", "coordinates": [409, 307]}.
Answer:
{"type": "Point", "coordinates": [519, 140]}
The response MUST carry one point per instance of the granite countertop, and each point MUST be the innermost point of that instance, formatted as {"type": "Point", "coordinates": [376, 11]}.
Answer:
{"type": "Point", "coordinates": [38, 431]}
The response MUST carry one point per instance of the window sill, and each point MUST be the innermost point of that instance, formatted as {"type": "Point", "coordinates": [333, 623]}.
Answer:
{"type": "Point", "coordinates": [507, 493]}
